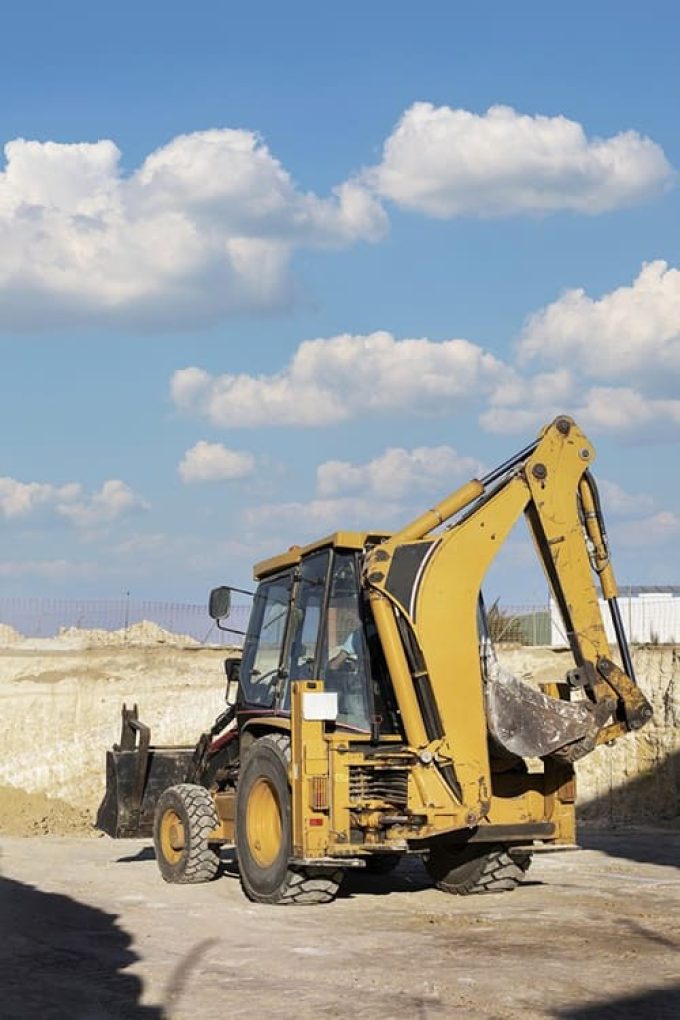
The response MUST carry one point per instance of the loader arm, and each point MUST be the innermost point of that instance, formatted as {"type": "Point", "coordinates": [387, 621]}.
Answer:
{"type": "Point", "coordinates": [424, 584]}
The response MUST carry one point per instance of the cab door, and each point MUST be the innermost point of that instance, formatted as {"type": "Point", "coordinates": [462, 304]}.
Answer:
{"type": "Point", "coordinates": [262, 674]}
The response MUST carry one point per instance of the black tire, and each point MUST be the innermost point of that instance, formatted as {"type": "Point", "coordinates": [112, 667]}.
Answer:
{"type": "Point", "coordinates": [475, 869]}
{"type": "Point", "coordinates": [263, 832]}
{"type": "Point", "coordinates": [381, 864]}
{"type": "Point", "coordinates": [185, 816]}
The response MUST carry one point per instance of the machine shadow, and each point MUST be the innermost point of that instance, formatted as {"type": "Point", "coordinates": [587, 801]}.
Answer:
{"type": "Point", "coordinates": [655, 1004]}
{"type": "Point", "coordinates": [409, 876]}
{"type": "Point", "coordinates": [61, 958]}
{"type": "Point", "coordinates": [645, 800]}
{"type": "Point", "coordinates": [145, 853]}
{"type": "Point", "coordinates": [609, 823]}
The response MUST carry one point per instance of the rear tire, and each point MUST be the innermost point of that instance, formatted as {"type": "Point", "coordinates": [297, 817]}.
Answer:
{"type": "Point", "coordinates": [263, 832]}
{"type": "Point", "coordinates": [184, 818]}
{"type": "Point", "coordinates": [475, 869]}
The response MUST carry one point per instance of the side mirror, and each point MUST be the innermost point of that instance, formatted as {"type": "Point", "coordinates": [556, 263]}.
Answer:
{"type": "Point", "coordinates": [232, 667]}
{"type": "Point", "coordinates": [219, 604]}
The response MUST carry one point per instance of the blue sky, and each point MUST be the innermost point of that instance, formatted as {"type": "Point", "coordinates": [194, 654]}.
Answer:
{"type": "Point", "coordinates": [456, 205]}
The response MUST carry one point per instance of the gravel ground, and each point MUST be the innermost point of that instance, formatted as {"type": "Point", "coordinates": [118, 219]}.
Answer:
{"type": "Point", "coordinates": [89, 930]}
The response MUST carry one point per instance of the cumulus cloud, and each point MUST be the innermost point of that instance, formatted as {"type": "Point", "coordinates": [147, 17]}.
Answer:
{"type": "Point", "coordinates": [633, 329]}
{"type": "Point", "coordinates": [53, 569]}
{"type": "Point", "coordinates": [449, 162]}
{"type": "Point", "coordinates": [205, 226]}
{"type": "Point", "coordinates": [620, 502]}
{"type": "Point", "coordinates": [612, 362]}
{"type": "Point", "coordinates": [305, 521]}
{"type": "Point", "coordinates": [19, 499]}
{"type": "Point", "coordinates": [626, 411]}
{"type": "Point", "coordinates": [397, 473]}
{"type": "Point", "coordinates": [656, 529]}
{"type": "Point", "coordinates": [114, 500]}
{"type": "Point", "coordinates": [617, 410]}
{"type": "Point", "coordinates": [331, 380]}
{"type": "Point", "coordinates": [213, 462]}
{"type": "Point", "coordinates": [524, 403]}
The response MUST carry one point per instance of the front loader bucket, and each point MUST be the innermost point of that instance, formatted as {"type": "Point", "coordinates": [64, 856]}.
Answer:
{"type": "Point", "coordinates": [121, 812]}
{"type": "Point", "coordinates": [136, 775]}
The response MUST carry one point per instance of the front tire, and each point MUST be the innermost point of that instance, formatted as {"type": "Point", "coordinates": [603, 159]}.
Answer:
{"type": "Point", "coordinates": [263, 832]}
{"type": "Point", "coordinates": [184, 818]}
{"type": "Point", "coordinates": [475, 869]}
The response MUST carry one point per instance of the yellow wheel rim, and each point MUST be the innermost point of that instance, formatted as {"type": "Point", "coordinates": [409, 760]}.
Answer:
{"type": "Point", "coordinates": [172, 836]}
{"type": "Point", "coordinates": [263, 823]}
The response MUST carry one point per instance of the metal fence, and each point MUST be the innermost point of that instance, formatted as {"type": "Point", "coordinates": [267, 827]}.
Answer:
{"type": "Point", "coordinates": [523, 625]}
{"type": "Point", "coordinates": [40, 618]}
{"type": "Point", "coordinates": [648, 620]}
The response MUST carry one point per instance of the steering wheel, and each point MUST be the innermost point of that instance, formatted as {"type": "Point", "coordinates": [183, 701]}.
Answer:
{"type": "Point", "coordinates": [263, 681]}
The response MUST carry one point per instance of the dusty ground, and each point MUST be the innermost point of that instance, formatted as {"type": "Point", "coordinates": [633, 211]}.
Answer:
{"type": "Point", "coordinates": [89, 930]}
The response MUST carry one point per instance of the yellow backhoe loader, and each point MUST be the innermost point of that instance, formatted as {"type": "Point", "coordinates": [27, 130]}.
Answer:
{"type": "Point", "coordinates": [369, 717]}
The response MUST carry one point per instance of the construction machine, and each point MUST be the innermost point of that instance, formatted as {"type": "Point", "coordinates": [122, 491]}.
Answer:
{"type": "Point", "coordinates": [369, 716]}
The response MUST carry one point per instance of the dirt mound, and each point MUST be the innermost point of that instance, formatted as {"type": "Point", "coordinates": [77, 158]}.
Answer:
{"type": "Point", "coordinates": [8, 635]}
{"type": "Point", "coordinates": [143, 633]}
{"type": "Point", "coordinates": [35, 814]}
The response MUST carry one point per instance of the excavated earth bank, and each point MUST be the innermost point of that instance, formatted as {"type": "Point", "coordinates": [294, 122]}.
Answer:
{"type": "Point", "coordinates": [60, 705]}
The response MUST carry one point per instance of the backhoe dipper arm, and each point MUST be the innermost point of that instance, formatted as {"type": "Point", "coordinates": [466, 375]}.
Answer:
{"type": "Point", "coordinates": [424, 585]}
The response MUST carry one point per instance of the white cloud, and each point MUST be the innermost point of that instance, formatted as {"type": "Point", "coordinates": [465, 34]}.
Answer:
{"type": "Point", "coordinates": [626, 411]}
{"type": "Point", "coordinates": [398, 473]}
{"type": "Point", "coordinates": [618, 501]}
{"type": "Point", "coordinates": [213, 462]}
{"type": "Point", "coordinates": [656, 529]}
{"type": "Point", "coordinates": [617, 410]}
{"type": "Point", "coordinates": [448, 162]}
{"type": "Point", "coordinates": [633, 329]}
{"type": "Point", "coordinates": [19, 499]}
{"type": "Point", "coordinates": [205, 226]}
{"type": "Point", "coordinates": [594, 348]}
{"type": "Point", "coordinates": [114, 500]}
{"type": "Point", "coordinates": [332, 380]}
{"type": "Point", "coordinates": [302, 522]}
{"type": "Point", "coordinates": [54, 569]}
{"type": "Point", "coordinates": [525, 403]}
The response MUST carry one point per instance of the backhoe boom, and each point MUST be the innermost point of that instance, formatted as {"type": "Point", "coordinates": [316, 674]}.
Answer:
{"type": "Point", "coordinates": [424, 585]}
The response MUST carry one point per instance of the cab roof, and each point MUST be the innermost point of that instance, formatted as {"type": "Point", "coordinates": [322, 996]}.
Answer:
{"type": "Point", "coordinates": [338, 540]}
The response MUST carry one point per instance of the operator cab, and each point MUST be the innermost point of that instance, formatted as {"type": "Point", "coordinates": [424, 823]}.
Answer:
{"type": "Point", "coordinates": [310, 621]}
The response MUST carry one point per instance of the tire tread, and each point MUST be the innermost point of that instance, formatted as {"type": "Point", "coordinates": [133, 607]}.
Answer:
{"type": "Point", "coordinates": [202, 860]}
{"type": "Point", "coordinates": [301, 885]}
{"type": "Point", "coordinates": [498, 871]}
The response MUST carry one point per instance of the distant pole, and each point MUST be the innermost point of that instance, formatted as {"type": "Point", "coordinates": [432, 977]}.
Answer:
{"type": "Point", "coordinates": [127, 611]}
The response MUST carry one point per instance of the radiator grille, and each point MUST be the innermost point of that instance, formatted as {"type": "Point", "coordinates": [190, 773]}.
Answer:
{"type": "Point", "coordinates": [388, 785]}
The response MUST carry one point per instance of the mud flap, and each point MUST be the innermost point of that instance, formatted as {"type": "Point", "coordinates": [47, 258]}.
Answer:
{"type": "Point", "coordinates": [136, 775]}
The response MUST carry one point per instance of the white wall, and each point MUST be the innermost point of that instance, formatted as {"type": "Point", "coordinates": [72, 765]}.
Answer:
{"type": "Point", "coordinates": [647, 618]}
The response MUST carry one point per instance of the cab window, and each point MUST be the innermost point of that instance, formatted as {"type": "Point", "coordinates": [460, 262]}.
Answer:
{"type": "Point", "coordinates": [309, 605]}
{"type": "Point", "coordinates": [260, 666]}
{"type": "Point", "coordinates": [344, 663]}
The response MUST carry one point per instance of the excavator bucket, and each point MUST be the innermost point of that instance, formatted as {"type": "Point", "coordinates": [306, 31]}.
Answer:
{"type": "Point", "coordinates": [136, 775]}
{"type": "Point", "coordinates": [529, 724]}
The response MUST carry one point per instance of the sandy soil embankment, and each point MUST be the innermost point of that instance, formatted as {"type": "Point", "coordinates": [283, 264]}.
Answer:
{"type": "Point", "coordinates": [60, 703]}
